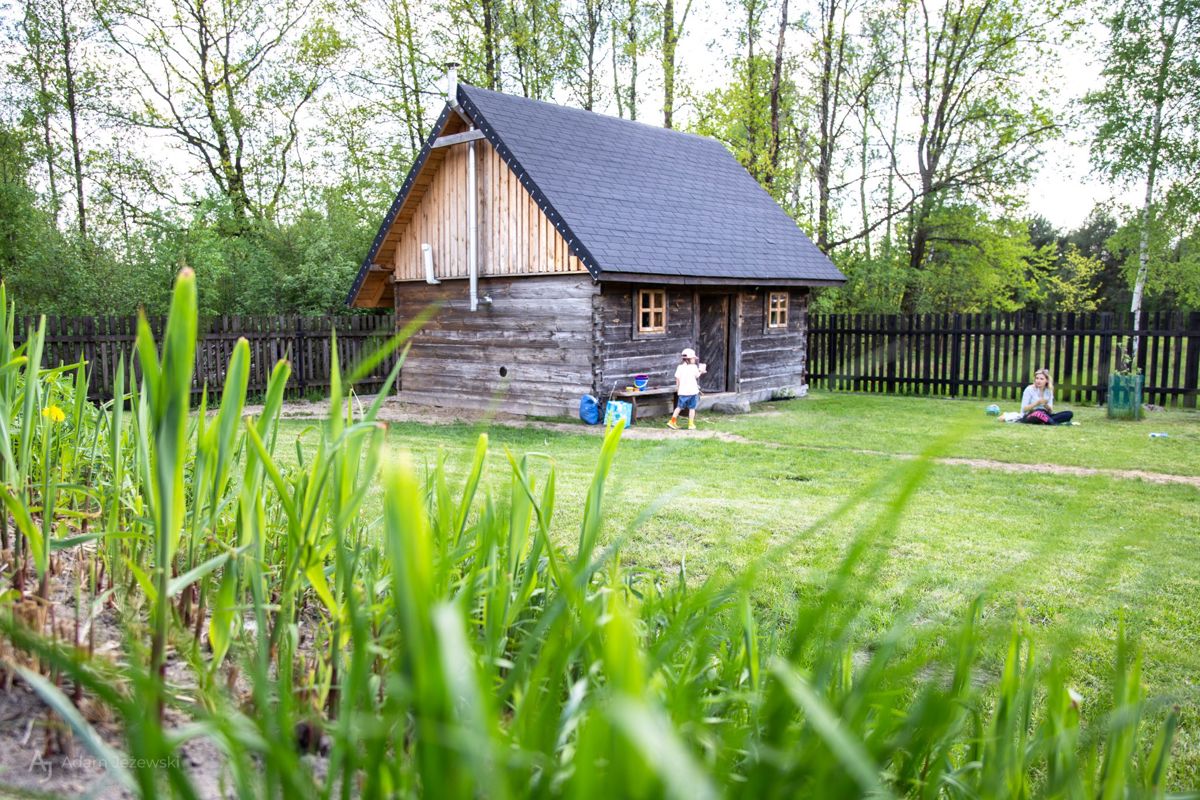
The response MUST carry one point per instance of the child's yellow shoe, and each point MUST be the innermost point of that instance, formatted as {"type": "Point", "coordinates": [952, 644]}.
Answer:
{"type": "Point", "coordinates": [671, 424]}
{"type": "Point", "coordinates": [691, 426]}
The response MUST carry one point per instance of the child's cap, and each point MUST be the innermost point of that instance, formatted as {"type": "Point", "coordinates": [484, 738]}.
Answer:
{"type": "Point", "coordinates": [689, 352]}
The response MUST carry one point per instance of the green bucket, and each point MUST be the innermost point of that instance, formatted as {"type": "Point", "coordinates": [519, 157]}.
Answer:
{"type": "Point", "coordinates": [1125, 396]}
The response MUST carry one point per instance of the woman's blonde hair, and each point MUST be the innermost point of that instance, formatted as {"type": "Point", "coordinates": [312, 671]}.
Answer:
{"type": "Point", "coordinates": [1045, 373]}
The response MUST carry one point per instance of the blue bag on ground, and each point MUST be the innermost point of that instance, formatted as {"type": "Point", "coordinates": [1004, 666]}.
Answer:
{"type": "Point", "coordinates": [589, 409]}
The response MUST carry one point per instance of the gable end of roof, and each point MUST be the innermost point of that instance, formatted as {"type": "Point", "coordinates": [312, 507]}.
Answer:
{"type": "Point", "coordinates": [401, 196]}
{"type": "Point", "coordinates": [574, 243]}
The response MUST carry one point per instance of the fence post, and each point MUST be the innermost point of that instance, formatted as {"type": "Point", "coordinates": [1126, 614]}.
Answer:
{"type": "Point", "coordinates": [1106, 345]}
{"type": "Point", "coordinates": [1025, 371]}
{"type": "Point", "coordinates": [892, 345]}
{"type": "Point", "coordinates": [830, 351]}
{"type": "Point", "coordinates": [1192, 371]}
{"type": "Point", "coordinates": [955, 354]}
{"type": "Point", "coordinates": [300, 379]}
{"type": "Point", "coordinates": [89, 345]}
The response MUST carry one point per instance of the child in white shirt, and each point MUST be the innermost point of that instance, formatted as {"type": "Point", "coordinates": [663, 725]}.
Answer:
{"type": "Point", "coordinates": [687, 387]}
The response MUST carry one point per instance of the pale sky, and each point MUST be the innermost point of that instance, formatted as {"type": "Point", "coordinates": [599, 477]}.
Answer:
{"type": "Point", "coordinates": [1063, 191]}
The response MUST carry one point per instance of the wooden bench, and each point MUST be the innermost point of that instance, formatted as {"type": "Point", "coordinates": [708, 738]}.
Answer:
{"type": "Point", "coordinates": [645, 394]}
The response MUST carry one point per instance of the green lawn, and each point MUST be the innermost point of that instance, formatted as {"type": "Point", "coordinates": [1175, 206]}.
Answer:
{"type": "Point", "coordinates": [1071, 553]}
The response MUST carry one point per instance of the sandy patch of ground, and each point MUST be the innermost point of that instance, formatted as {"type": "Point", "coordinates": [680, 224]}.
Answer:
{"type": "Point", "coordinates": [394, 411]}
{"type": "Point", "coordinates": [1059, 469]}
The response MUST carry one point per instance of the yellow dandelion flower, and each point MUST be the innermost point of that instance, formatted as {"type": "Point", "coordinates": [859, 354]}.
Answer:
{"type": "Point", "coordinates": [54, 414]}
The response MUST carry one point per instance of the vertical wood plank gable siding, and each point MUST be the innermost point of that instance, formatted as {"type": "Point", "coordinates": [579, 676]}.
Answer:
{"type": "Point", "coordinates": [515, 236]}
{"type": "Point", "coordinates": [539, 328]}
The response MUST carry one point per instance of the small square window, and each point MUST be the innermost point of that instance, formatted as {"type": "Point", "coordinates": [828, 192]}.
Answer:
{"type": "Point", "coordinates": [777, 310]}
{"type": "Point", "coordinates": [652, 311]}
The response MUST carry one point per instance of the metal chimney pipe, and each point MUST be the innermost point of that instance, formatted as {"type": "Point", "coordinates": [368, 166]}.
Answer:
{"type": "Point", "coordinates": [452, 83]}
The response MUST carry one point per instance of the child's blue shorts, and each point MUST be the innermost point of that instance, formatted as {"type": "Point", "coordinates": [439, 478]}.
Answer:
{"type": "Point", "coordinates": [688, 402]}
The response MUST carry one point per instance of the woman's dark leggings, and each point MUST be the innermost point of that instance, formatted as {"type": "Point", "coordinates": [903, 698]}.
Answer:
{"type": "Point", "coordinates": [1057, 418]}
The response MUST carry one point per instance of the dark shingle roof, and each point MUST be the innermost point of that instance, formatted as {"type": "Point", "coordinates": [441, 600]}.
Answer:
{"type": "Point", "coordinates": [646, 200]}
{"type": "Point", "coordinates": [634, 200]}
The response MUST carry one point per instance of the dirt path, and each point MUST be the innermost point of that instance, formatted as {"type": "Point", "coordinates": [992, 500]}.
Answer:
{"type": "Point", "coordinates": [1059, 469]}
{"type": "Point", "coordinates": [656, 430]}
{"type": "Point", "coordinates": [435, 415]}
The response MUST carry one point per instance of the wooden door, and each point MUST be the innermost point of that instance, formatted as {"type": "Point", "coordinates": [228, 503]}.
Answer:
{"type": "Point", "coordinates": [713, 347]}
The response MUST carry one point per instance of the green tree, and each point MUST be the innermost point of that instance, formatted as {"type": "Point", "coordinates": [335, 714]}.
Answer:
{"type": "Point", "coordinates": [538, 44]}
{"type": "Point", "coordinates": [59, 84]}
{"type": "Point", "coordinates": [977, 263]}
{"type": "Point", "coordinates": [1173, 248]}
{"type": "Point", "coordinates": [229, 82]}
{"type": "Point", "coordinates": [1149, 111]}
{"type": "Point", "coordinates": [36, 261]}
{"type": "Point", "coordinates": [742, 113]}
{"type": "Point", "coordinates": [628, 33]}
{"type": "Point", "coordinates": [980, 124]}
{"type": "Point", "coordinates": [671, 22]}
{"type": "Point", "coordinates": [588, 26]}
{"type": "Point", "coordinates": [386, 86]}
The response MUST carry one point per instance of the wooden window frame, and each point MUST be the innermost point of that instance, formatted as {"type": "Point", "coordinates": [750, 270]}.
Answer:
{"type": "Point", "coordinates": [652, 330]}
{"type": "Point", "coordinates": [782, 326]}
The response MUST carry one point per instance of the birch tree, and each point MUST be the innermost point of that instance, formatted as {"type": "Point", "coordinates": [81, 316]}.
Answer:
{"type": "Point", "coordinates": [1149, 110]}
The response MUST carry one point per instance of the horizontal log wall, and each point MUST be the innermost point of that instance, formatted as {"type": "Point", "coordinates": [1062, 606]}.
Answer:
{"type": "Point", "coordinates": [761, 362]}
{"type": "Point", "coordinates": [621, 353]}
{"type": "Point", "coordinates": [994, 355]}
{"type": "Point", "coordinates": [774, 359]}
{"type": "Point", "coordinates": [102, 341]}
{"type": "Point", "coordinates": [537, 329]}
{"type": "Point", "coordinates": [515, 236]}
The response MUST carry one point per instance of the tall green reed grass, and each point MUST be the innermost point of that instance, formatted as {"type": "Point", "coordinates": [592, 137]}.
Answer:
{"type": "Point", "coordinates": [452, 646]}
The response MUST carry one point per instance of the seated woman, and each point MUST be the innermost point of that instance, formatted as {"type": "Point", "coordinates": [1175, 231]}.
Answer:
{"type": "Point", "coordinates": [1037, 402]}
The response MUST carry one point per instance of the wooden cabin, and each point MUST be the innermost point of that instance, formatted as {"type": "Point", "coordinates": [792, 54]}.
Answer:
{"type": "Point", "coordinates": [570, 251]}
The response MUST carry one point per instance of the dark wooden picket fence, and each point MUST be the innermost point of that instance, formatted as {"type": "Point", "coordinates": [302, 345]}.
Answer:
{"type": "Point", "coordinates": [304, 341]}
{"type": "Point", "coordinates": [994, 355]}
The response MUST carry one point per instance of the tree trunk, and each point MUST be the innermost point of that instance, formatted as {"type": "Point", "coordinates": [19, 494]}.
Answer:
{"type": "Point", "coordinates": [73, 115]}
{"type": "Point", "coordinates": [862, 177]}
{"type": "Point", "coordinates": [632, 43]}
{"type": "Point", "coordinates": [618, 94]}
{"type": "Point", "coordinates": [594, 20]}
{"type": "Point", "coordinates": [489, 43]}
{"type": "Point", "coordinates": [776, 82]}
{"type": "Point", "coordinates": [411, 97]}
{"type": "Point", "coordinates": [830, 89]}
{"type": "Point", "coordinates": [751, 82]}
{"type": "Point", "coordinates": [35, 36]}
{"type": "Point", "coordinates": [901, 70]}
{"type": "Point", "coordinates": [668, 56]}
{"type": "Point", "coordinates": [1139, 285]}
{"type": "Point", "coordinates": [670, 42]}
